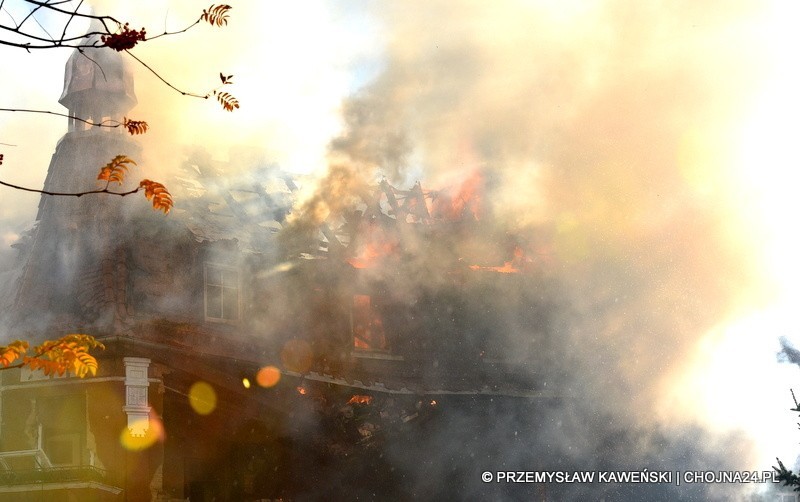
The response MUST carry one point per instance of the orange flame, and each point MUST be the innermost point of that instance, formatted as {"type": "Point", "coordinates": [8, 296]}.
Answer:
{"type": "Point", "coordinates": [377, 243]}
{"type": "Point", "coordinates": [359, 399]}
{"type": "Point", "coordinates": [466, 200]}
{"type": "Point", "coordinates": [510, 267]}
{"type": "Point", "coordinates": [371, 253]}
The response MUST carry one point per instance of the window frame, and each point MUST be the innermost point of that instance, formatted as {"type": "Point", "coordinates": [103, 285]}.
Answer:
{"type": "Point", "coordinates": [372, 309]}
{"type": "Point", "coordinates": [222, 269]}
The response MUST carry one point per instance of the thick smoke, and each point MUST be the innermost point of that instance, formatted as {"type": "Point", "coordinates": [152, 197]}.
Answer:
{"type": "Point", "coordinates": [599, 131]}
{"type": "Point", "coordinates": [602, 133]}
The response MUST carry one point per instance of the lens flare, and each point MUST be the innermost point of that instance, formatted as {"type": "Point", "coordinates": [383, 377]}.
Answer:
{"type": "Point", "coordinates": [268, 376]}
{"type": "Point", "coordinates": [202, 398]}
{"type": "Point", "coordinates": [154, 431]}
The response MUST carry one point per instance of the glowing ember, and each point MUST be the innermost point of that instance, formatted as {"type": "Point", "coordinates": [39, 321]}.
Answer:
{"type": "Point", "coordinates": [433, 402]}
{"type": "Point", "coordinates": [359, 399]}
{"type": "Point", "coordinates": [302, 391]}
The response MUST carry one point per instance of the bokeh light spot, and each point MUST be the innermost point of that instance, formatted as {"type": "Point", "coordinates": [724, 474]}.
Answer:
{"type": "Point", "coordinates": [202, 398]}
{"type": "Point", "coordinates": [154, 431]}
{"type": "Point", "coordinates": [268, 376]}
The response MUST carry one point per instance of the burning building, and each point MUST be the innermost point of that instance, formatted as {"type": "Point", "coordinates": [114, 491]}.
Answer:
{"type": "Point", "coordinates": [242, 351]}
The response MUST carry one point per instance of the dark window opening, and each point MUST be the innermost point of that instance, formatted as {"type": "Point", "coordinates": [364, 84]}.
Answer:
{"type": "Point", "coordinates": [222, 293]}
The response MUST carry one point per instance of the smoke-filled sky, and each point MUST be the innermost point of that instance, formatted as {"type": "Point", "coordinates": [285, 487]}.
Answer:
{"type": "Point", "coordinates": [650, 141]}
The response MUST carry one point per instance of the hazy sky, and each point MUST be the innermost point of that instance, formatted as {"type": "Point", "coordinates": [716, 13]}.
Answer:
{"type": "Point", "coordinates": [657, 135]}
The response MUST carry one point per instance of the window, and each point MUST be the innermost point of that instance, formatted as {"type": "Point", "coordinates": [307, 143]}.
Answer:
{"type": "Point", "coordinates": [221, 293]}
{"type": "Point", "coordinates": [368, 331]}
{"type": "Point", "coordinates": [63, 421]}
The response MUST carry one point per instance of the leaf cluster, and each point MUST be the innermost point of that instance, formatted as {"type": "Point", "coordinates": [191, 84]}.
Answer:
{"type": "Point", "coordinates": [158, 194]}
{"type": "Point", "coordinates": [115, 171]}
{"type": "Point", "coordinates": [69, 353]}
{"type": "Point", "coordinates": [216, 15]}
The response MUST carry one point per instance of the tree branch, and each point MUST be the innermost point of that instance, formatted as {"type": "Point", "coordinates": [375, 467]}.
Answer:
{"type": "Point", "coordinates": [71, 17]}
{"type": "Point", "coordinates": [53, 7]}
{"type": "Point", "coordinates": [176, 32]}
{"type": "Point", "coordinates": [51, 45]}
{"type": "Point", "coordinates": [110, 123]}
{"type": "Point", "coordinates": [30, 14]}
{"type": "Point", "coordinates": [71, 194]}
{"type": "Point", "coordinates": [184, 93]}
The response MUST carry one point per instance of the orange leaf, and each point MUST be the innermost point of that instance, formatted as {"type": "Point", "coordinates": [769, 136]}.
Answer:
{"type": "Point", "coordinates": [216, 15]}
{"type": "Point", "coordinates": [12, 352]}
{"type": "Point", "coordinates": [158, 193]}
{"type": "Point", "coordinates": [68, 353]}
{"type": "Point", "coordinates": [227, 101]}
{"type": "Point", "coordinates": [115, 170]}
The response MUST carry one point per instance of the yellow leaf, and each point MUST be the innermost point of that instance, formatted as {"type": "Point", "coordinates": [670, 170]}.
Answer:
{"type": "Point", "coordinates": [115, 170]}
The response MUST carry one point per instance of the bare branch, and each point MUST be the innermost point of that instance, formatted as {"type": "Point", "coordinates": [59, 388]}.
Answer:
{"type": "Point", "coordinates": [9, 15]}
{"type": "Point", "coordinates": [175, 32]}
{"type": "Point", "coordinates": [50, 44]}
{"type": "Point", "coordinates": [52, 7]}
{"type": "Point", "coordinates": [71, 194]}
{"type": "Point", "coordinates": [44, 29]}
{"type": "Point", "coordinates": [110, 123]}
{"type": "Point", "coordinates": [83, 53]}
{"type": "Point", "coordinates": [30, 14]}
{"type": "Point", "coordinates": [71, 17]}
{"type": "Point", "coordinates": [184, 93]}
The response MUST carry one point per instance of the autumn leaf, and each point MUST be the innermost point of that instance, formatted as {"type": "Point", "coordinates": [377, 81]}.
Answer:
{"type": "Point", "coordinates": [228, 102]}
{"type": "Point", "coordinates": [135, 126]}
{"type": "Point", "coordinates": [115, 170]}
{"type": "Point", "coordinates": [68, 353]}
{"type": "Point", "coordinates": [216, 15]}
{"type": "Point", "coordinates": [226, 79]}
{"type": "Point", "coordinates": [12, 352]}
{"type": "Point", "coordinates": [158, 193]}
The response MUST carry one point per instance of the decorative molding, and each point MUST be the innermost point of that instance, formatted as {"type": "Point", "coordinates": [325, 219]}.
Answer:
{"type": "Point", "coordinates": [136, 385]}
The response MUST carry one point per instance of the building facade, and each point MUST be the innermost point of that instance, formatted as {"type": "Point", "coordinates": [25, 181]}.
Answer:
{"type": "Point", "coordinates": [237, 367]}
